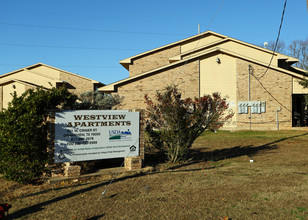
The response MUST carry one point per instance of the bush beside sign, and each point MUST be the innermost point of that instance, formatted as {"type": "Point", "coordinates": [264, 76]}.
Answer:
{"type": "Point", "coordinates": [95, 134]}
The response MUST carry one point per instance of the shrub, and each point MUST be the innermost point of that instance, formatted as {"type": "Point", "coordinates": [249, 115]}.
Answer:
{"type": "Point", "coordinates": [175, 123]}
{"type": "Point", "coordinates": [97, 100]}
{"type": "Point", "coordinates": [23, 132]}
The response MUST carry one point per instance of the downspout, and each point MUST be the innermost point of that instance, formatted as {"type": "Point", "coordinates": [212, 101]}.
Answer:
{"type": "Point", "coordinates": [277, 120]}
{"type": "Point", "coordinates": [278, 109]}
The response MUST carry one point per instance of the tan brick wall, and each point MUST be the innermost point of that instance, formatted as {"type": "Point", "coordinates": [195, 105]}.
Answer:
{"type": "Point", "coordinates": [153, 61]}
{"type": "Point", "coordinates": [133, 163]}
{"type": "Point", "coordinates": [141, 134]}
{"type": "Point", "coordinates": [186, 78]}
{"type": "Point", "coordinates": [278, 84]}
{"type": "Point", "coordinates": [55, 169]}
{"type": "Point", "coordinates": [77, 84]}
{"type": "Point", "coordinates": [72, 170]}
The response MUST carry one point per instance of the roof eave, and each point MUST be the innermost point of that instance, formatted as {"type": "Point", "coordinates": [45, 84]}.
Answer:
{"type": "Point", "coordinates": [42, 64]}
{"type": "Point", "coordinates": [108, 88]}
{"type": "Point", "coordinates": [112, 87]}
{"type": "Point", "coordinates": [128, 60]}
{"type": "Point", "coordinates": [125, 63]}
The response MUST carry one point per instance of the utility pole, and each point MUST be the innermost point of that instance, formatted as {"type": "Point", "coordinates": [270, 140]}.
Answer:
{"type": "Point", "coordinates": [249, 95]}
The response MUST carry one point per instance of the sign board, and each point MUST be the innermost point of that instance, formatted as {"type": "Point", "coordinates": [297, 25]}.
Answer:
{"type": "Point", "coordinates": [95, 134]}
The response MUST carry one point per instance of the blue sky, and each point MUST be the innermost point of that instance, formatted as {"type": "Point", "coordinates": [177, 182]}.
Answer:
{"type": "Point", "coordinates": [91, 37]}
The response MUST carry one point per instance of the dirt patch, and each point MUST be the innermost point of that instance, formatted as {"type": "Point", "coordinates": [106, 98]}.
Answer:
{"type": "Point", "coordinates": [219, 181]}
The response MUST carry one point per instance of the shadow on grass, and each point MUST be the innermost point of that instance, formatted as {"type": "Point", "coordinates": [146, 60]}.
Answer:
{"type": "Point", "coordinates": [199, 155]}
{"type": "Point", "coordinates": [96, 217]}
{"type": "Point", "coordinates": [38, 207]}
{"type": "Point", "coordinates": [155, 158]}
{"type": "Point", "coordinates": [227, 153]}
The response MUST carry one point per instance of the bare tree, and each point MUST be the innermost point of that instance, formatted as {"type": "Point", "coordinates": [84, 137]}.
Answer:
{"type": "Point", "coordinates": [280, 48]}
{"type": "Point", "coordinates": [299, 50]}
{"type": "Point", "coordinates": [270, 45]}
{"type": "Point", "coordinates": [97, 100]}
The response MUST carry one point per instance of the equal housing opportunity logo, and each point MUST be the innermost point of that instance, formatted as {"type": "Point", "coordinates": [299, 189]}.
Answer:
{"type": "Point", "coordinates": [120, 135]}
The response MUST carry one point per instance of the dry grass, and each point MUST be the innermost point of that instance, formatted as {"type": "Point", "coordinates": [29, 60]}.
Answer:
{"type": "Point", "coordinates": [218, 182]}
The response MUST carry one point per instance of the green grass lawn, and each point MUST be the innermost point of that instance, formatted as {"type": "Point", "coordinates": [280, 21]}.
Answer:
{"type": "Point", "coordinates": [218, 181]}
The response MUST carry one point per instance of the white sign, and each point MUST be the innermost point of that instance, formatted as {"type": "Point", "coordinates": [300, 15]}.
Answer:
{"type": "Point", "coordinates": [95, 134]}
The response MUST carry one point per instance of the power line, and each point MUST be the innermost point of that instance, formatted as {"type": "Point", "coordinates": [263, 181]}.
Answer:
{"type": "Point", "coordinates": [216, 14]}
{"type": "Point", "coordinates": [271, 94]}
{"type": "Point", "coordinates": [89, 29]}
{"type": "Point", "coordinates": [201, 37]}
{"type": "Point", "coordinates": [23, 65]}
{"type": "Point", "coordinates": [70, 47]}
{"type": "Point", "coordinates": [87, 66]}
{"type": "Point", "coordinates": [114, 18]}
{"type": "Point", "coordinates": [267, 68]}
{"type": "Point", "coordinates": [281, 21]}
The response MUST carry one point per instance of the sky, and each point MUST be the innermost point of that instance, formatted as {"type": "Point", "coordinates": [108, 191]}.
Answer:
{"type": "Point", "coordinates": [89, 38]}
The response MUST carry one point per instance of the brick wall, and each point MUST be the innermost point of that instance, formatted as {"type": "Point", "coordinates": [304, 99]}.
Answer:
{"type": "Point", "coordinates": [77, 85]}
{"type": "Point", "coordinates": [133, 163]}
{"type": "Point", "coordinates": [278, 84]}
{"type": "Point", "coordinates": [186, 78]}
{"type": "Point", "coordinates": [153, 60]}
{"type": "Point", "coordinates": [141, 134]}
{"type": "Point", "coordinates": [58, 169]}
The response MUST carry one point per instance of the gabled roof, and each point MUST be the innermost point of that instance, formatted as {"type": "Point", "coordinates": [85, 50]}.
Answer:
{"type": "Point", "coordinates": [125, 62]}
{"type": "Point", "coordinates": [288, 59]}
{"type": "Point", "coordinates": [29, 68]}
{"type": "Point", "coordinates": [300, 71]}
{"type": "Point", "coordinates": [112, 87]}
{"type": "Point", "coordinates": [18, 81]}
{"type": "Point", "coordinates": [128, 60]}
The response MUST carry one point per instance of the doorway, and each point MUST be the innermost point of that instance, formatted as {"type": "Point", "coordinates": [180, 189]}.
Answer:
{"type": "Point", "coordinates": [299, 111]}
